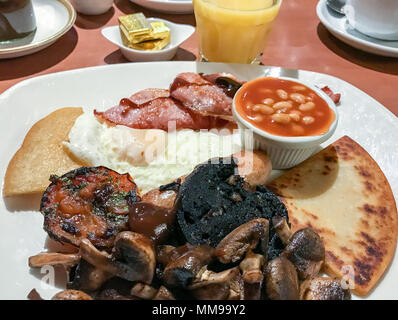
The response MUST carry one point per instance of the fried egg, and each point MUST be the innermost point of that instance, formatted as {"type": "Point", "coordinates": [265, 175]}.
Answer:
{"type": "Point", "coordinates": [152, 157]}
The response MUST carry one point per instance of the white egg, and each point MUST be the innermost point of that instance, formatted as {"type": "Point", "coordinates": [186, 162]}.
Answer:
{"type": "Point", "coordinates": [152, 157]}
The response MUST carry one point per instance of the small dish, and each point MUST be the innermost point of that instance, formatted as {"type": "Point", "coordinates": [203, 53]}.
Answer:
{"type": "Point", "coordinates": [169, 6]}
{"type": "Point", "coordinates": [286, 152]}
{"type": "Point", "coordinates": [92, 7]}
{"type": "Point", "coordinates": [179, 33]}
{"type": "Point", "coordinates": [338, 26]}
{"type": "Point", "coordinates": [54, 18]}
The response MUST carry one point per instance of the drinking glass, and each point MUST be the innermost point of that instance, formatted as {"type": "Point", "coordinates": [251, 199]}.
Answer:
{"type": "Point", "coordinates": [234, 31]}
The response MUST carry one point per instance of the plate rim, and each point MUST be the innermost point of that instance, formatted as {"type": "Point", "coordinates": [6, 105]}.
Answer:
{"type": "Point", "coordinates": [24, 82]}
{"type": "Point", "coordinates": [346, 36]}
{"type": "Point", "coordinates": [66, 28]}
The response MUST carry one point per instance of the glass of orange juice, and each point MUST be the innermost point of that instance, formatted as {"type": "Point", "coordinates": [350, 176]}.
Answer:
{"type": "Point", "coordinates": [234, 31]}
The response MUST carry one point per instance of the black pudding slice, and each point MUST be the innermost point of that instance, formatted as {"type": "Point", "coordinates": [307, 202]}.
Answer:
{"type": "Point", "coordinates": [212, 201]}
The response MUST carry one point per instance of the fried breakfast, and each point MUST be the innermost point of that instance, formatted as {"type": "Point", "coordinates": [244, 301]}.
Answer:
{"type": "Point", "coordinates": [161, 199]}
{"type": "Point", "coordinates": [223, 239]}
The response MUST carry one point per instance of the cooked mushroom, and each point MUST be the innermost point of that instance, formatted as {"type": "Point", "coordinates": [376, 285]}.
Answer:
{"type": "Point", "coordinates": [99, 259]}
{"type": "Point", "coordinates": [163, 294]}
{"type": "Point", "coordinates": [282, 229]}
{"type": "Point", "coordinates": [143, 291]}
{"type": "Point", "coordinates": [166, 253]}
{"type": "Point", "coordinates": [306, 251]}
{"type": "Point", "coordinates": [52, 259]}
{"type": "Point", "coordinates": [213, 286]}
{"type": "Point", "coordinates": [236, 289]}
{"type": "Point", "coordinates": [323, 288]}
{"type": "Point", "coordinates": [281, 280]}
{"type": "Point", "coordinates": [113, 294]}
{"type": "Point", "coordinates": [72, 295]}
{"type": "Point", "coordinates": [88, 278]}
{"type": "Point", "coordinates": [181, 271]}
{"type": "Point", "coordinates": [252, 268]}
{"type": "Point", "coordinates": [34, 295]}
{"type": "Point", "coordinates": [133, 257]}
{"type": "Point", "coordinates": [242, 239]}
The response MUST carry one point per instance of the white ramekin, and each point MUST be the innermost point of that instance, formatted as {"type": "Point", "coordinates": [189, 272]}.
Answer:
{"type": "Point", "coordinates": [287, 152]}
{"type": "Point", "coordinates": [92, 7]}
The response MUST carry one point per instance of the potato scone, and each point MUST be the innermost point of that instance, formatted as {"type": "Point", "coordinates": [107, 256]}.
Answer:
{"type": "Point", "coordinates": [342, 194]}
{"type": "Point", "coordinates": [42, 154]}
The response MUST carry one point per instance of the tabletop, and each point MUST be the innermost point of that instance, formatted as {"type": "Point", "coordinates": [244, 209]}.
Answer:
{"type": "Point", "coordinates": [298, 41]}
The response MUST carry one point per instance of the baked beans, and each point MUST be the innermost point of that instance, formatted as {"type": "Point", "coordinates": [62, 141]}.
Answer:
{"type": "Point", "coordinates": [283, 107]}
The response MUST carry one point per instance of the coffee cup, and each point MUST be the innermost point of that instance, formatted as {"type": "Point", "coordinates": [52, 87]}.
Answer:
{"type": "Point", "coordinates": [374, 18]}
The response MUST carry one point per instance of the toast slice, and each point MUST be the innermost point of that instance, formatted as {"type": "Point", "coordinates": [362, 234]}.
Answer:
{"type": "Point", "coordinates": [42, 154]}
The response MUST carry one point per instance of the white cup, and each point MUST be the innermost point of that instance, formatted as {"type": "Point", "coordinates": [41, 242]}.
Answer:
{"type": "Point", "coordinates": [92, 7]}
{"type": "Point", "coordinates": [375, 18]}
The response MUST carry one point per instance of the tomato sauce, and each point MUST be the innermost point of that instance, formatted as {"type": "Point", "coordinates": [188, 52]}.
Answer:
{"type": "Point", "coordinates": [284, 108]}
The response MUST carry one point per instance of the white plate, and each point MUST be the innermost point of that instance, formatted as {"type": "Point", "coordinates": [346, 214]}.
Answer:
{"type": "Point", "coordinates": [53, 18]}
{"type": "Point", "coordinates": [341, 29]}
{"type": "Point", "coordinates": [21, 233]}
{"type": "Point", "coordinates": [169, 6]}
{"type": "Point", "coordinates": [179, 33]}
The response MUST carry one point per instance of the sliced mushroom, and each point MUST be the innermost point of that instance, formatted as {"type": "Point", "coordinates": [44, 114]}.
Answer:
{"type": "Point", "coordinates": [52, 259]}
{"type": "Point", "coordinates": [88, 278]}
{"type": "Point", "coordinates": [281, 280]}
{"type": "Point", "coordinates": [113, 294]}
{"type": "Point", "coordinates": [323, 288]}
{"type": "Point", "coordinates": [99, 259]}
{"type": "Point", "coordinates": [133, 257]}
{"type": "Point", "coordinates": [252, 268]}
{"type": "Point", "coordinates": [72, 295]}
{"type": "Point", "coordinates": [213, 286]}
{"type": "Point", "coordinates": [163, 294]}
{"type": "Point", "coordinates": [236, 289]}
{"type": "Point", "coordinates": [306, 251]}
{"type": "Point", "coordinates": [242, 239]}
{"type": "Point", "coordinates": [143, 291]}
{"type": "Point", "coordinates": [166, 253]}
{"type": "Point", "coordinates": [34, 295]}
{"type": "Point", "coordinates": [282, 229]}
{"type": "Point", "coordinates": [181, 271]}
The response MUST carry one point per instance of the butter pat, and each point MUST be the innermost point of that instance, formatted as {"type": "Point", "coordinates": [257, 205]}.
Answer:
{"type": "Point", "coordinates": [151, 45]}
{"type": "Point", "coordinates": [133, 27]}
{"type": "Point", "coordinates": [137, 33]}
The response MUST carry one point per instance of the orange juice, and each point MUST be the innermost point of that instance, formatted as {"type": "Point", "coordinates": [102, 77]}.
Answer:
{"type": "Point", "coordinates": [234, 30]}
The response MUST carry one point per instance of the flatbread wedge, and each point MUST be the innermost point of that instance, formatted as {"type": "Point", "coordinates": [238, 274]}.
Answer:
{"type": "Point", "coordinates": [342, 193]}
{"type": "Point", "coordinates": [42, 154]}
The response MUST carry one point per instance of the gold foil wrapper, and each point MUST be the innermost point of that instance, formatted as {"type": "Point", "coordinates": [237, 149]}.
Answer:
{"type": "Point", "coordinates": [152, 45]}
{"type": "Point", "coordinates": [137, 33]}
{"type": "Point", "coordinates": [134, 27]}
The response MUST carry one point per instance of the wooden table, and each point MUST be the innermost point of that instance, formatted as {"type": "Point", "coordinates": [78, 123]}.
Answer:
{"type": "Point", "coordinates": [298, 41]}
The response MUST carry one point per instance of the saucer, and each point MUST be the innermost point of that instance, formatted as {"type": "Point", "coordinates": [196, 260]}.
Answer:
{"type": "Point", "coordinates": [53, 19]}
{"type": "Point", "coordinates": [169, 6]}
{"type": "Point", "coordinates": [340, 28]}
{"type": "Point", "coordinates": [179, 33]}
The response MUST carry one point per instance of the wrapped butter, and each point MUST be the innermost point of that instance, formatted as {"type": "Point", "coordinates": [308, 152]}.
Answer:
{"type": "Point", "coordinates": [140, 34]}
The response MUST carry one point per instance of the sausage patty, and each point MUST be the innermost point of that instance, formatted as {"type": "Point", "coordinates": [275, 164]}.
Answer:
{"type": "Point", "coordinates": [89, 202]}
